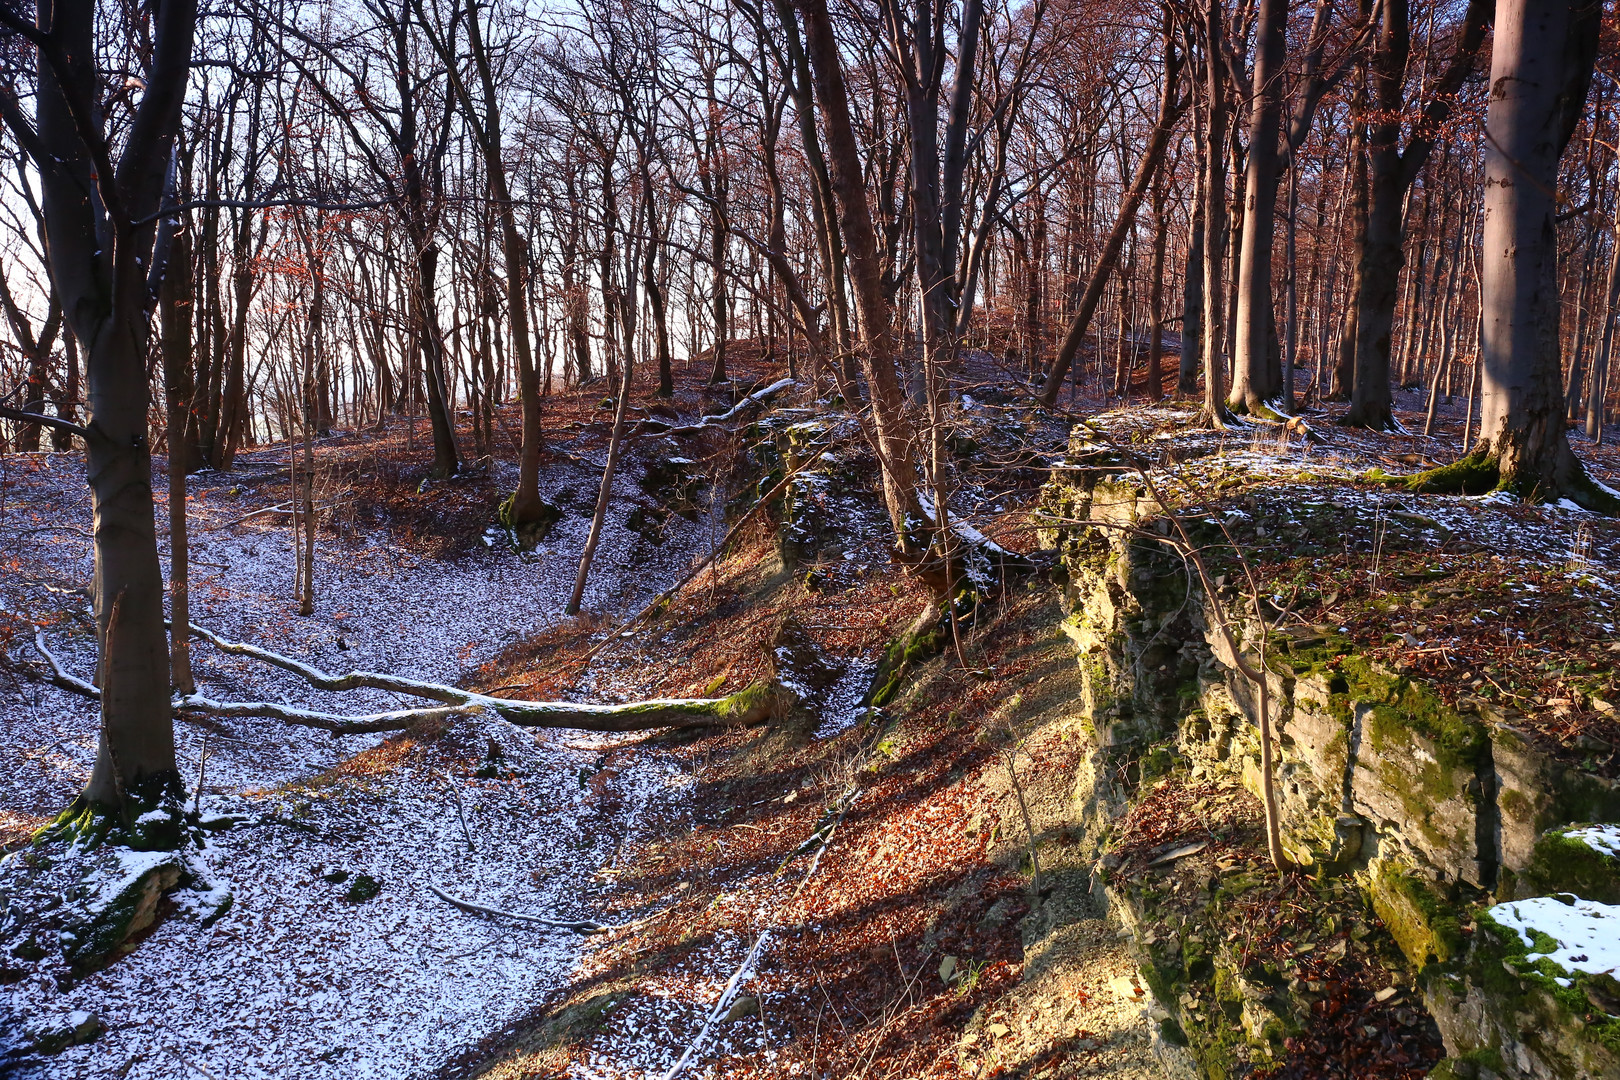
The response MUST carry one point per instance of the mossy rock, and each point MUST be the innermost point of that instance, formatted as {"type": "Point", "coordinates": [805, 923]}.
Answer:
{"type": "Point", "coordinates": [128, 886]}
{"type": "Point", "coordinates": [364, 887]}
{"type": "Point", "coordinates": [1565, 862]}
{"type": "Point", "coordinates": [1423, 923]}
{"type": "Point", "coordinates": [1521, 1018]}
{"type": "Point", "coordinates": [674, 482]}
{"type": "Point", "coordinates": [75, 1029]}
{"type": "Point", "coordinates": [647, 523]}
{"type": "Point", "coordinates": [1473, 1065]}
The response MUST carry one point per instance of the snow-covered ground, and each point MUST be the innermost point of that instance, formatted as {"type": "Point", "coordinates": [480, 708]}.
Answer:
{"type": "Point", "coordinates": [298, 979]}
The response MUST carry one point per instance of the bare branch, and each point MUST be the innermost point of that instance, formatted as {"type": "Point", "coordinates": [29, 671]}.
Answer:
{"type": "Point", "coordinates": [59, 675]}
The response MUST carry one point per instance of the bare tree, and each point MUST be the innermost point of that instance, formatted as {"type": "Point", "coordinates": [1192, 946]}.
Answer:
{"type": "Point", "coordinates": [101, 203]}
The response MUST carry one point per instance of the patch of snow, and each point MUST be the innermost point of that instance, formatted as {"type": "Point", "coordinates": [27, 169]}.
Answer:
{"type": "Point", "coordinates": [1604, 839]}
{"type": "Point", "coordinates": [1587, 932]}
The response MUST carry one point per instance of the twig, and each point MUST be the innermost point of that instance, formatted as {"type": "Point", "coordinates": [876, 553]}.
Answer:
{"type": "Point", "coordinates": [461, 811]}
{"type": "Point", "coordinates": [202, 770]}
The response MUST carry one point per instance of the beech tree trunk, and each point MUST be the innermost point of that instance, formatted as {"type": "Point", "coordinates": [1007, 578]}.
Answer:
{"type": "Point", "coordinates": [1540, 69]}
{"type": "Point", "coordinates": [1214, 220]}
{"type": "Point", "coordinates": [1381, 252]}
{"type": "Point", "coordinates": [100, 225]}
{"type": "Point", "coordinates": [895, 439]}
{"type": "Point", "coordinates": [1253, 381]}
{"type": "Point", "coordinates": [176, 306]}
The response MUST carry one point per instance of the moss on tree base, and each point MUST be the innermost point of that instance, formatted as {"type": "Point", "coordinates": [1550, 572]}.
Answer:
{"type": "Point", "coordinates": [1480, 474]}
{"type": "Point", "coordinates": [1475, 474]}
{"type": "Point", "coordinates": [153, 818]}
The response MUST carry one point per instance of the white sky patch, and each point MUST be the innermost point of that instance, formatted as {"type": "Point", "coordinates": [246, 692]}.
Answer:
{"type": "Point", "coordinates": [1587, 932]}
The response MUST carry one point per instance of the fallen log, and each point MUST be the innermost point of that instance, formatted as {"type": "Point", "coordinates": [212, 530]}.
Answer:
{"type": "Point", "coordinates": [754, 400]}
{"type": "Point", "coordinates": [756, 703]}
{"type": "Point", "coordinates": [336, 723]}
{"type": "Point", "coordinates": [748, 706]}
{"type": "Point", "coordinates": [578, 926]}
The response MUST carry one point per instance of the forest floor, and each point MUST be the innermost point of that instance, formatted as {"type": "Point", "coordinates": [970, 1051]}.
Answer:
{"type": "Point", "coordinates": [906, 943]}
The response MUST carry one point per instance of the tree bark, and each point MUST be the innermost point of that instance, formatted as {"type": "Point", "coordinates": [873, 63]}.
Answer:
{"type": "Point", "coordinates": [895, 436]}
{"type": "Point", "coordinates": [100, 228]}
{"type": "Point", "coordinates": [1253, 385]}
{"type": "Point", "coordinates": [176, 306]}
{"type": "Point", "coordinates": [1214, 219]}
{"type": "Point", "coordinates": [1381, 255]}
{"type": "Point", "coordinates": [1540, 70]}
{"type": "Point", "coordinates": [604, 494]}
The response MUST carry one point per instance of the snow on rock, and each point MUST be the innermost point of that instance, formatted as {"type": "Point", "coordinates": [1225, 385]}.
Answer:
{"type": "Point", "coordinates": [1603, 839]}
{"type": "Point", "coordinates": [1587, 933]}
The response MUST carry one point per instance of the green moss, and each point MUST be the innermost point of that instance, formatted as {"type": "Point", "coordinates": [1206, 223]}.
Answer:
{"type": "Point", "coordinates": [1469, 1066]}
{"type": "Point", "coordinates": [1475, 474]}
{"type": "Point", "coordinates": [1423, 924]}
{"type": "Point", "coordinates": [1561, 864]}
{"type": "Point", "coordinates": [1478, 474]}
{"type": "Point", "coordinates": [524, 535]}
{"type": "Point", "coordinates": [363, 888]}
{"type": "Point", "coordinates": [916, 645]}
{"type": "Point", "coordinates": [1514, 804]}
{"type": "Point", "coordinates": [1157, 762]}
{"type": "Point", "coordinates": [1519, 990]}
{"type": "Point", "coordinates": [89, 824]}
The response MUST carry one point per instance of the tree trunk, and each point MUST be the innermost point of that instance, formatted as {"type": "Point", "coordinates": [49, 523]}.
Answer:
{"type": "Point", "coordinates": [98, 256]}
{"type": "Point", "coordinates": [1252, 384]}
{"type": "Point", "coordinates": [1600, 362]}
{"type": "Point", "coordinates": [1214, 219]}
{"type": "Point", "coordinates": [604, 494]}
{"type": "Point", "coordinates": [895, 437]}
{"type": "Point", "coordinates": [176, 306]}
{"type": "Point", "coordinates": [1161, 231]}
{"type": "Point", "coordinates": [1192, 294]}
{"type": "Point", "coordinates": [1381, 255]}
{"type": "Point", "coordinates": [1540, 69]}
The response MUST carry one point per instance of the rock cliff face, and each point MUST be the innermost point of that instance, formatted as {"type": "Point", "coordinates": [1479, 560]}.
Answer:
{"type": "Point", "coordinates": [1436, 812]}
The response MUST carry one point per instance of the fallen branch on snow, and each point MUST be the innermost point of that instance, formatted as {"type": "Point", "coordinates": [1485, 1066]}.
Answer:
{"type": "Point", "coordinates": [336, 723]}
{"type": "Point", "coordinates": [727, 996]}
{"type": "Point", "coordinates": [749, 706]}
{"type": "Point", "coordinates": [752, 705]}
{"type": "Point", "coordinates": [757, 398]}
{"type": "Point", "coordinates": [578, 926]}
{"type": "Point", "coordinates": [59, 676]}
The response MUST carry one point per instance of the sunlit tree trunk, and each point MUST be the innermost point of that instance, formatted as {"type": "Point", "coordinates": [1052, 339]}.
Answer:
{"type": "Point", "coordinates": [1540, 69]}
{"type": "Point", "coordinates": [1253, 385]}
